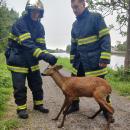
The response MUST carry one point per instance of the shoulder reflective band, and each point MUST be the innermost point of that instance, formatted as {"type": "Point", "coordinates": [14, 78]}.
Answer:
{"type": "Point", "coordinates": [24, 36]}
{"type": "Point", "coordinates": [13, 37]}
{"type": "Point", "coordinates": [20, 38]}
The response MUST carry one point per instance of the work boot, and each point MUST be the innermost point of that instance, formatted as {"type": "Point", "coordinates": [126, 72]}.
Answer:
{"type": "Point", "coordinates": [108, 116]}
{"type": "Point", "coordinates": [22, 114]}
{"type": "Point", "coordinates": [40, 108]}
{"type": "Point", "coordinates": [74, 107]}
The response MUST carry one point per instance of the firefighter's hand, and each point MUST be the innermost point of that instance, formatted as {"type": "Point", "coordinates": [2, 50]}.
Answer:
{"type": "Point", "coordinates": [103, 65]}
{"type": "Point", "coordinates": [48, 58]}
{"type": "Point", "coordinates": [52, 60]}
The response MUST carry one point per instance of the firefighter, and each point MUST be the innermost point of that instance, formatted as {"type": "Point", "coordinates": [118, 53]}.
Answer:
{"type": "Point", "coordinates": [26, 46]}
{"type": "Point", "coordinates": [90, 45]}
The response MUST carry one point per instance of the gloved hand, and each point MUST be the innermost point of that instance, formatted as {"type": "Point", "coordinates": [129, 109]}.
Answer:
{"type": "Point", "coordinates": [51, 59]}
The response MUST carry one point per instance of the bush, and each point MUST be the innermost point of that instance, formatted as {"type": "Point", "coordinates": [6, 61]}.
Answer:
{"type": "Point", "coordinates": [5, 79]}
{"type": "Point", "coordinates": [119, 74]}
{"type": "Point", "coordinates": [5, 84]}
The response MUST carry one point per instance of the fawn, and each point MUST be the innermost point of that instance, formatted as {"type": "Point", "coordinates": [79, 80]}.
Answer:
{"type": "Point", "coordinates": [73, 87]}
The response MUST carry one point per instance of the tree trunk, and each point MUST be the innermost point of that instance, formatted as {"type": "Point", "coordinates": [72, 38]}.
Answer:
{"type": "Point", "coordinates": [127, 57]}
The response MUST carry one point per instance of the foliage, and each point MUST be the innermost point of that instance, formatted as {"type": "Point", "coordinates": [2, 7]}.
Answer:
{"type": "Point", "coordinates": [68, 48]}
{"type": "Point", "coordinates": [118, 7]}
{"type": "Point", "coordinates": [5, 84]}
{"type": "Point", "coordinates": [65, 62]}
{"type": "Point", "coordinates": [5, 92]}
{"type": "Point", "coordinates": [121, 47]}
{"type": "Point", "coordinates": [119, 80]}
{"type": "Point", "coordinates": [7, 18]}
{"type": "Point", "coordinates": [5, 80]}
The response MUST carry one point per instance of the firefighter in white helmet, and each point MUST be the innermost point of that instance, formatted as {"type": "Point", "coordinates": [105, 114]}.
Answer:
{"type": "Point", "coordinates": [26, 47]}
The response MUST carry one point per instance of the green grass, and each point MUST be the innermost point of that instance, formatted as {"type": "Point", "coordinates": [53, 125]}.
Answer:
{"type": "Point", "coordinates": [5, 92]}
{"type": "Point", "coordinates": [4, 98]}
{"type": "Point", "coordinates": [65, 62]}
{"type": "Point", "coordinates": [119, 81]}
{"type": "Point", "coordinates": [9, 124]}
{"type": "Point", "coordinates": [2, 58]}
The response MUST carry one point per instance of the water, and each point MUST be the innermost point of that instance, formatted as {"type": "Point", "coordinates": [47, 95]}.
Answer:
{"type": "Point", "coordinates": [116, 60]}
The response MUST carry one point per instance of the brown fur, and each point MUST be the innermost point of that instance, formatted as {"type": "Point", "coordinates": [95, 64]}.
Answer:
{"type": "Point", "coordinates": [73, 87]}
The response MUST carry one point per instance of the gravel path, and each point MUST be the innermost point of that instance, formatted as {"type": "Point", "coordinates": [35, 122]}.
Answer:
{"type": "Point", "coordinates": [78, 121]}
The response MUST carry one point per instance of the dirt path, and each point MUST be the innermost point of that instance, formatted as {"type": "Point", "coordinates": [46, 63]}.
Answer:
{"type": "Point", "coordinates": [78, 121]}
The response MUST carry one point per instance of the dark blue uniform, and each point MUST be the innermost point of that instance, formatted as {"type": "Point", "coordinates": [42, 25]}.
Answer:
{"type": "Point", "coordinates": [26, 43]}
{"type": "Point", "coordinates": [90, 45]}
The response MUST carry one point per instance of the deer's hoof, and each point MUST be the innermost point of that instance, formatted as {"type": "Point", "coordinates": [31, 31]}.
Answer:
{"type": "Point", "coordinates": [89, 117]}
{"type": "Point", "coordinates": [55, 119]}
{"type": "Point", "coordinates": [60, 126]}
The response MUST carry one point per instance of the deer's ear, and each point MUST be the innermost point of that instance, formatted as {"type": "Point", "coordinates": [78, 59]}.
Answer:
{"type": "Point", "coordinates": [58, 67]}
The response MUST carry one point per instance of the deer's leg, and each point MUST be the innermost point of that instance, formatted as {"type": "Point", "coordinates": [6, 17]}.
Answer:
{"type": "Point", "coordinates": [99, 97]}
{"type": "Point", "coordinates": [92, 117]}
{"type": "Point", "coordinates": [107, 126]}
{"type": "Point", "coordinates": [62, 108]}
{"type": "Point", "coordinates": [65, 113]}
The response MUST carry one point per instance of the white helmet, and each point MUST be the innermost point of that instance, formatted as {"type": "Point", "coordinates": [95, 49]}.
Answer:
{"type": "Point", "coordinates": [35, 5]}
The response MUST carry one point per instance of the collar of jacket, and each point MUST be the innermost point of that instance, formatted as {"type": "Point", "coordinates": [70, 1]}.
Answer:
{"type": "Point", "coordinates": [85, 13]}
{"type": "Point", "coordinates": [30, 21]}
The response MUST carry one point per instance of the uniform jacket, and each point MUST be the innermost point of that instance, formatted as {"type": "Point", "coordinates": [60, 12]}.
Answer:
{"type": "Point", "coordinates": [26, 43]}
{"type": "Point", "coordinates": [90, 44]}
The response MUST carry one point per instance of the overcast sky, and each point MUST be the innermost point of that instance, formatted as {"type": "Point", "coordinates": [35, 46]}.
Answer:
{"type": "Point", "coordinates": [58, 21]}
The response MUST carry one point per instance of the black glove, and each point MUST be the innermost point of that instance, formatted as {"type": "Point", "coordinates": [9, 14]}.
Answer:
{"type": "Point", "coordinates": [51, 59]}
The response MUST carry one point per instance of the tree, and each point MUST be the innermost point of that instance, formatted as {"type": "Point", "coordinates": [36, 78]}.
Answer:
{"type": "Point", "coordinates": [121, 47]}
{"type": "Point", "coordinates": [7, 18]}
{"type": "Point", "coordinates": [122, 9]}
{"type": "Point", "coordinates": [68, 48]}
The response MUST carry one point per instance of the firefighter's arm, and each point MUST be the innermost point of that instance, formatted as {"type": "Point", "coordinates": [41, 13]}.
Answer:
{"type": "Point", "coordinates": [40, 43]}
{"type": "Point", "coordinates": [105, 42]}
{"type": "Point", "coordinates": [73, 49]}
{"type": "Point", "coordinates": [24, 39]}
{"type": "Point", "coordinates": [40, 40]}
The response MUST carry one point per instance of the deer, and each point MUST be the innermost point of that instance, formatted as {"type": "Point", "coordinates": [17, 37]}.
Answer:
{"type": "Point", "coordinates": [73, 87]}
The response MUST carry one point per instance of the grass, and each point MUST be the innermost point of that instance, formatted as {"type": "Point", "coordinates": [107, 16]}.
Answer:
{"type": "Point", "coordinates": [5, 92]}
{"type": "Point", "coordinates": [65, 62]}
{"type": "Point", "coordinates": [2, 58]}
{"type": "Point", "coordinates": [119, 81]}
{"type": "Point", "coordinates": [9, 124]}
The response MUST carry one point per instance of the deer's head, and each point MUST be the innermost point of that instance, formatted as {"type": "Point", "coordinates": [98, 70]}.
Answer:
{"type": "Point", "coordinates": [52, 69]}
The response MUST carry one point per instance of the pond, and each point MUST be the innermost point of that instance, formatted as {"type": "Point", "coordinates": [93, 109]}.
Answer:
{"type": "Point", "coordinates": [116, 60]}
